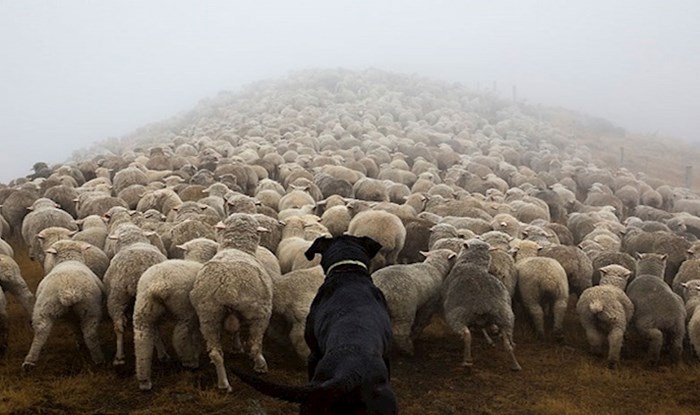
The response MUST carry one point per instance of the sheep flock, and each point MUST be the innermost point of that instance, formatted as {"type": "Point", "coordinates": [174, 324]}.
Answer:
{"type": "Point", "coordinates": [187, 237]}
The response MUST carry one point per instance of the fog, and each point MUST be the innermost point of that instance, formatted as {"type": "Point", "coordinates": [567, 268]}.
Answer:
{"type": "Point", "coordinates": [75, 72]}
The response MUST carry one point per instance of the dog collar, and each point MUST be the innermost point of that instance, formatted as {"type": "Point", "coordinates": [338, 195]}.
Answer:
{"type": "Point", "coordinates": [347, 262]}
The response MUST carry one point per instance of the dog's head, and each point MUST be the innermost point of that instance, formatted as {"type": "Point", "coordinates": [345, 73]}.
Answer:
{"type": "Point", "coordinates": [342, 248]}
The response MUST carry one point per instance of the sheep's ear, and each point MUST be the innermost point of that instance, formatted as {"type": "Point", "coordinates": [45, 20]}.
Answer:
{"type": "Point", "coordinates": [684, 285]}
{"type": "Point", "coordinates": [321, 203]}
{"type": "Point", "coordinates": [30, 208]}
{"type": "Point", "coordinates": [86, 247]}
{"type": "Point", "coordinates": [603, 270]}
{"type": "Point", "coordinates": [664, 257]}
{"type": "Point", "coordinates": [638, 255]}
{"type": "Point", "coordinates": [319, 246]}
{"type": "Point", "coordinates": [524, 233]}
{"type": "Point", "coordinates": [133, 212]}
{"type": "Point", "coordinates": [451, 255]}
{"type": "Point", "coordinates": [690, 252]}
{"type": "Point", "coordinates": [220, 225]}
{"type": "Point", "coordinates": [182, 246]}
{"type": "Point", "coordinates": [263, 230]}
{"type": "Point", "coordinates": [41, 236]}
{"type": "Point", "coordinates": [176, 208]}
{"type": "Point", "coordinates": [71, 233]}
{"type": "Point", "coordinates": [492, 248]}
{"type": "Point", "coordinates": [150, 233]}
{"type": "Point", "coordinates": [113, 237]}
{"type": "Point", "coordinates": [424, 253]}
{"type": "Point", "coordinates": [466, 244]}
{"type": "Point", "coordinates": [51, 251]}
{"type": "Point", "coordinates": [281, 222]}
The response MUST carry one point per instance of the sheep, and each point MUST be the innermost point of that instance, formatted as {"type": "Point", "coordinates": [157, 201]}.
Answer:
{"type": "Point", "coordinates": [271, 239]}
{"type": "Point", "coordinates": [383, 227]}
{"type": "Point", "coordinates": [506, 223]}
{"type": "Point", "coordinates": [412, 293]}
{"type": "Point", "coordinates": [44, 213]}
{"type": "Point", "coordinates": [92, 257]}
{"type": "Point", "coordinates": [658, 311]}
{"type": "Point", "coordinates": [48, 236]}
{"type": "Point", "coordinates": [234, 283]}
{"type": "Point", "coordinates": [578, 267]}
{"type": "Point", "coordinates": [293, 293]}
{"type": "Point", "coordinates": [330, 185]}
{"type": "Point", "coordinates": [70, 286]}
{"type": "Point", "coordinates": [199, 249]}
{"type": "Point", "coordinates": [372, 190]}
{"type": "Point", "coordinates": [134, 255]}
{"type": "Point", "coordinates": [473, 297]}
{"type": "Point", "coordinates": [6, 249]}
{"type": "Point", "coordinates": [11, 281]}
{"type": "Point", "coordinates": [185, 231]}
{"type": "Point", "coordinates": [658, 242]}
{"type": "Point", "coordinates": [689, 270]}
{"type": "Point", "coordinates": [336, 219]}
{"type": "Point", "coordinates": [93, 230]}
{"type": "Point", "coordinates": [605, 311]}
{"type": "Point", "coordinates": [127, 177]}
{"type": "Point", "coordinates": [417, 240]}
{"type": "Point", "coordinates": [608, 258]}
{"type": "Point", "coordinates": [692, 300]}
{"type": "Point", "coordinates": [15, 207]}
{"type": "Point", "coordinates": [165, 287]}
{"type": "Point", "coordinates": [542, 283]}
{"type": "Point", "coordinates": [295, 199]}
{"type": "Point", "coordinates": [292, 245]}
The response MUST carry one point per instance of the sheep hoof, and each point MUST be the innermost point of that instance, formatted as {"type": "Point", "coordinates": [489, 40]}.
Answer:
{"type": "Point", "coordinates": [27, 367]}
{"type": "Point", "coordinates": [260, 367]}
{"type": "Point", "coordinates": [118, 361]}
{"type": "Point", "coordinates": [467, 363]}
{"type": "Point", "coordinates": [516, 368]}
{"type": "Point", "coordinates": [612, 365]}
{"type": "Point", "coordinates": [145, 385]}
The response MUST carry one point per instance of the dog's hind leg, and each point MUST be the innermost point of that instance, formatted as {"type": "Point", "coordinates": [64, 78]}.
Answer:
{"type": "Point", "coordinates": [467, 335]}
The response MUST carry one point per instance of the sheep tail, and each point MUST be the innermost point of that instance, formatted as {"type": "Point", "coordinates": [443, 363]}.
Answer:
{"type": "Point", "coordinates": [296, 394]}
{"type": "Point", "coordinates": [596, 306]}
{"type": "Point", "coordinates": [69, 296]}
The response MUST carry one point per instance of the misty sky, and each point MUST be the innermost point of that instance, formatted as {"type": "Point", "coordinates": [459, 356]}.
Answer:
{"type": "Point", "coordinates": [75, 72]}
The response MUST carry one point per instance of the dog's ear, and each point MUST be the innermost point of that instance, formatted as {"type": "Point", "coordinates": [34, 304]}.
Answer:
{"type": "Point", "coordinates": [318, 247]}
{"type": "Point", "coordinates": [370, 245]}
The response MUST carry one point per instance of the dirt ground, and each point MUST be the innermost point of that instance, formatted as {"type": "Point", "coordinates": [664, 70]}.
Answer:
{"type": "Point", "coordinates": [556, 378]}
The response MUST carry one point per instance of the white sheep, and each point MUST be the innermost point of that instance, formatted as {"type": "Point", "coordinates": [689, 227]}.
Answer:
{"type": "Point", "coordinates": [541, 282]}
{"type": "Point", "coordinates": [134, 256]}
{"type": "Point", "coordinates": [165, 288]}
{"type": "Point", "coordinates": [70, 286]}
{"type": "Point", "coordinates": [412, 293]}
{"type": "Point", "coordinates": [385, 228]}
{"type": "Point", "coordinates": [605, 311]}
{"type": "Point", "coordinates": [234, 285]}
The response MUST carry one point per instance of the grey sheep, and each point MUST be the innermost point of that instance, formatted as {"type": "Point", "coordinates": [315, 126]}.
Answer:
{"type": "Point", "coordinates": [689, 270]}
{"type": "Point", "coordinates": [336, 219]}
{"type": "Point", "coordinates": [134, 255]}
{"type": "Point", "coordinates": [658, 311]}
{"type": "Point", "coordinates": [15, 207]}
{"type": "Point", "coordinates": [412, 294]}
{"type": "Point", "coordinates": [383, 227]}
{"type": "Point", "coordinates": [186, 231]}
{"type": "Point", "coordinates": [474, 298]}
{"type": "Point", "coordinates": [234, 281]}
{"type": "Point", "coordinates": [11, 281]}
{"type": "Point", "coordinates": [609, 258]}
{"type": "Point", "coordinates": [692, 301]}
{"type": "Point", "coordinates": [70, 286]}
{"type": "Point", "coordinates": [199, 249]}
{"type": "Point", "coordinates": [127, 177]}
{"type": "Point", "coordinates": [542, 283]}
{"type": "Point", "coordinates": [165, 288]}
{"type": "Point", "coordinates": [44, 214]}
{"type": "Point", "coordinates": [372, 190]}
{"type": "Point", "coordinates": [578, 267]}
{"type": "Point", "coordinates": [93, 230]}
{"type": "Point", "coordinates": [605, 311]}
{"type": "Point", "coordinates": [507, 224]}
{"type": "Point", "coordinates": [271, 239]}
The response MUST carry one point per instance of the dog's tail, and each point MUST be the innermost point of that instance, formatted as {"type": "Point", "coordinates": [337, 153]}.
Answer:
{"type": "Point", "coordinates": [297, 394]}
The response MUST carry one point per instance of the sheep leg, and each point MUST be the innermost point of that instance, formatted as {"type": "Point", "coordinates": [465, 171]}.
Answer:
{"type": "Point", "coordinates": [487, 337]}
{"type": "Point", "coordinates": [186, 350]}
{"type": "Point", "coordinates": [510, 346]}
{"type": "Point", "coordinates": [402, 336]}
{"type": "Point", "coordinates": [116, 303]}
{"type": "Point", "coordinates": [296, 336]}
{"type": "Point", "coordinates": [23, 296]}
{"type": "Point", "coordinates": [656, 340]}
{"type": "Point", "coordinates": [559, 312]}
{"type": "Point", "coordinates": [3, 327]}
{"type": "Point", "coordinates": [255, 338]}
{"type": "Point", "coordinates": [677, 348]}
{"type": "Point", "coordinates": [614, 346]}
{"type": "Point", "coordinates": [537, 314]}
{"type": "Point", "coordinates": [232, 325]}
{"type": "Point", "coordinates": [91, 314]}
{"type": "Point", "coordinates": [143, 348]}
{"type": "Point", "coordinates": [161, 350]}
{"type": "Point", "coordinates": [42, 329]}
{"type": "Point", "coordinates": [210, 322]}
{"type": "Point", "coordinates": [595, 340]}
{"type": "Point", "coordinates": [467, 335]}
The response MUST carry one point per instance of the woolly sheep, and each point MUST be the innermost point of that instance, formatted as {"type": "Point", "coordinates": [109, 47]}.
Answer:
{"type": "Point", "coordinates": [605, 310]}
{"type": "Point", "coordinates": [658, 311]}
{"type": "Point", "coordinates": [384, 228]}
{"type": "Point", "coordinates": [234, 281]}
{"type": "Point", "coordinates": [11, 281]}
{"type": "Point", "coordinates": [70, 286]}
{"type": "Point", "coordinates": [689, 270]}
{"type": "Point", "coordinates": [199, 249]}
{"type": "Point", "coordinates": [134, 256]}
{"type": "Point", "coordinates": [473, 297]}
{"type": "Point", "coordinates": [336, 219]}
{"type": "Point", "coordinates": [542, 283]}
{"type": "Point", "coordinates": [93, 230]}
{"type": "Point", "coordinates": [578, 267]}
{"type": "Point", "coordinates": [92, 257]}
{"type": "Point", "coordinates": [412, 294]}
{"type": "Point", "coordinates": [692, 301]}
{"type": "Point", "coordinates": [293, 294]}
{"type": "Point", "coordinates": [44, 214]}
{"type": "Point", "coordinates": [165, 287]}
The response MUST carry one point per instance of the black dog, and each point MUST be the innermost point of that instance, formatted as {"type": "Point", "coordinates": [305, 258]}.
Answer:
{"type": "Point", "coordinates": [349, 333]}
